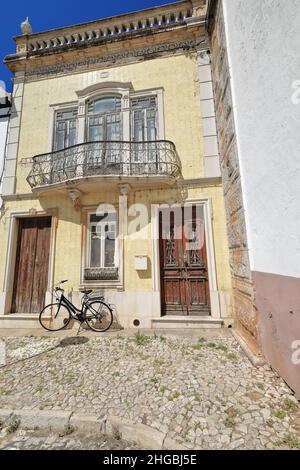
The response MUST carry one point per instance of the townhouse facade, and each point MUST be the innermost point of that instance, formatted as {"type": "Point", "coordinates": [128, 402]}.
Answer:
{"type": "Point", "coordinates": [112, 132]}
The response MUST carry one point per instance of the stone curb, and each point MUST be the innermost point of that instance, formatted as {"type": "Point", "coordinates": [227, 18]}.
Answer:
{"type": "Point", "coordinates": [134, 433]}
{"type": "Point", "coordinates": [255, 360]}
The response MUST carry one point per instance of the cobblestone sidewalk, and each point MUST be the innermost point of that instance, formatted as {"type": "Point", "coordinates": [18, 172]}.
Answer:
{"type": "Point", "coordinates": [35, 440]}
{"type": "Point", "coordinates": [204, 393]}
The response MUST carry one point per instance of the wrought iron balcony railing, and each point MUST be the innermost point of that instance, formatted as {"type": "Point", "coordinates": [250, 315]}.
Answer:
{"type": "Point", "coordinates": [105, 158]}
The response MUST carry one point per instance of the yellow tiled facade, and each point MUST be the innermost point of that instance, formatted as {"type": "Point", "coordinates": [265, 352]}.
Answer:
{"type": "Point", "coordinates": [176, 74]}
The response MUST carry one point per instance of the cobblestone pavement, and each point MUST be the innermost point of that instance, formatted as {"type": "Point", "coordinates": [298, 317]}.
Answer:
{"type": "Point", "coordinates": [202, 392]}
{"type": "Point", "coordinates": [35, 440]}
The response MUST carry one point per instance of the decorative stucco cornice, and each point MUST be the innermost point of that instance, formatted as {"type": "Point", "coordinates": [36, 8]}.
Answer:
{"type": "Point", "coordinates": [207, 181]}
{"type": "Point", "coordinates": [62, 68]}
{"type": "Point", "coordinates": [96, 87]}
{"type": "Point", "coordinates": [114, 28]}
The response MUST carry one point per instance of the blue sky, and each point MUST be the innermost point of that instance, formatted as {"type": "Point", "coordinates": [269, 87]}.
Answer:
{"type": "Point", "coordinates": [48, 15]}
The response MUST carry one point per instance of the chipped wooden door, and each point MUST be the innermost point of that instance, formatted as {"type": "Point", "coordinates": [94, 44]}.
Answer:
{"type": "Point", "coordinates": [32, 261]}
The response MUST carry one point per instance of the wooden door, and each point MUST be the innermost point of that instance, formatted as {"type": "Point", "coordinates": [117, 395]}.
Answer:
{"type": "Point", "coordinates": [183, 265]}
{"type": "Point", "coordinates": [31, 269]}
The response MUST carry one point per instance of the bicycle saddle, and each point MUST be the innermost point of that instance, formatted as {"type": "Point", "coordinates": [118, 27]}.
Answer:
{"type": "Point", "coordinates": [87, 291]}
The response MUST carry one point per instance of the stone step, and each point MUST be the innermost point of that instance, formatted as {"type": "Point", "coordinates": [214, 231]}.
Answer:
{"type": "Point", "coordinates": [20, 320]}
{"type": "Point", "coordinates": [180, 322]}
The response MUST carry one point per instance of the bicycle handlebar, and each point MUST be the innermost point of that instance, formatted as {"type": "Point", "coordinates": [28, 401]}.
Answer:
{"type": "Point", "coordinates": [61, 282]}
{"type": "Point", "coordinates": [56, 286]}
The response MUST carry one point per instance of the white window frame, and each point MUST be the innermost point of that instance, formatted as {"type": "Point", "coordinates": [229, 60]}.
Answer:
{"type": "Point", "coordinates": [87, 115]}
{"type": "Point", "coordinates": [102, 90]}
{"type": "Point", "coordinates": [158, 93]}
{"type": "Point", "coordinates": [54, 143]}
{"type": "Point", "coordinates": [51, 123]}
{"type": "Point", "coordinates": [119, 251]}
{"type": "Point", "coordinates": [102, 245]}
{"type": "Point", "coordinates": [132, 112]}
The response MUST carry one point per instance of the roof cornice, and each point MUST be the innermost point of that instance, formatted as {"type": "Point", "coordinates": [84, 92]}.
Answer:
{"type": "Point", "coordinates": [118, 28]}
{"type": "Point", "coordinates": [146, 12]}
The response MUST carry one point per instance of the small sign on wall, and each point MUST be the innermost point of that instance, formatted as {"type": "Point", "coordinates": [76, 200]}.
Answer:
{"type": "Point", "coordinates": [141, 263]}
{"type": "Point", "coordinates": [104, 74]}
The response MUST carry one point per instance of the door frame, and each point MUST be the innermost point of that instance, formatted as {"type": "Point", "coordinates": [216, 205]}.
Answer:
{"type": "Point", "coordinates": [210, 252]}
{"type": "Point", "coordinates": [10, 264]}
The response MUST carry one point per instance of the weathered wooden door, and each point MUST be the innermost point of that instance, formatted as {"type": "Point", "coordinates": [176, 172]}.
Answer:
{"type": "Point", "coordinates": [32, 260]}
{"type": "Point", "coordinates": [183, 265]}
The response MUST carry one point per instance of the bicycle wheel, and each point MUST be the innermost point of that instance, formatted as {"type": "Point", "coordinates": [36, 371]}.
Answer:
{"type": "Point", "coordinates": [54, 317]}
{"type": "Point", "coordinates": [98, 316]}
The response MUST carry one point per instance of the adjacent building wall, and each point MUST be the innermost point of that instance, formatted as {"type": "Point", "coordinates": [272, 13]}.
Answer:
{"type": "Point", "coordinates": [263, 43]}
{"type": "Point", "coordinates": [244, 312]}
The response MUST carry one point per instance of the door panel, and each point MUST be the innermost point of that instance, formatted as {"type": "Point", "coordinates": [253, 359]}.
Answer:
{"type": "Point", "coordinates": [183, 265]}
{"type": "Point", "coordinates": [40, 277]}
{"type": "Point", "coordinates": [31, 269]}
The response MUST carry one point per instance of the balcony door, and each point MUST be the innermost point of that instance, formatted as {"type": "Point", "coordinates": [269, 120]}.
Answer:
{"type": "Point", "coordinates": [104, 131]}
{"type": "Point", "coordinates": [144, 156]}
{"type": "Point", "coordinates": [63, 161]}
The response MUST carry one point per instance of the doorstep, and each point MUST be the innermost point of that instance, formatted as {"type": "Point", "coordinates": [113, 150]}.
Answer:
{"type": "Point", "coordinates": [181, 322]}
{"type": "Point", "coordinates": [20, 320]}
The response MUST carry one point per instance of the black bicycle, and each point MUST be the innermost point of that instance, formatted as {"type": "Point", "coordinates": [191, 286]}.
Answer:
{"type": "Point", "coordinates": [94, 312]}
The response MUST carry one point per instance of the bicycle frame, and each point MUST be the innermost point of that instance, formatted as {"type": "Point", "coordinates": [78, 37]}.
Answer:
{"type": "Point", "coordinates": [94, 311]}
{"type": "Point", "coordinates": [75, 312]}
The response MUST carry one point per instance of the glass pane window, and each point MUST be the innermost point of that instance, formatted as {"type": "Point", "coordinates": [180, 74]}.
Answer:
{"type": "Point", "coordinates": [96, 129]}
{"type": "Point", "coordinates": [146, 102]}
{"type": "Point", "coordinates": [61, 132]}
{"type": "Point", "coordinates": [72, 133]}
{"type": "Point", "coordinates": [95, 255]}
{"type": "Point", "coordinates": [102, 240]}
{"type": "Point", "coordinates": [138, 123]}
{"type": "Point", "coordinates": [113, 127]}
{"type": "Point", "coordinates": [105, 106]}
{"type": "Point", "coordinates": [144, 117]}
{"type": "Point", "coordinates": [65, 132]}
{"type": "Point", "coordinates": [104, 119]}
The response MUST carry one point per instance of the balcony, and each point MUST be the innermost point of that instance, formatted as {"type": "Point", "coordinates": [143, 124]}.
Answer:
{"type": "Point", "coordinates": [109, 161]}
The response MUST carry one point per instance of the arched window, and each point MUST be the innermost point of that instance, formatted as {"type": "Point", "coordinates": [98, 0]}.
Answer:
{"type": "Point", "coordinates": [104, 119]}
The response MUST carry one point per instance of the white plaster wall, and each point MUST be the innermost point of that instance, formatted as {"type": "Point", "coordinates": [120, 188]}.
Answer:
{"type": "Point", "coordinates": [263, 38]}
{"type": "Point", "coordinates": [3, 131]}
